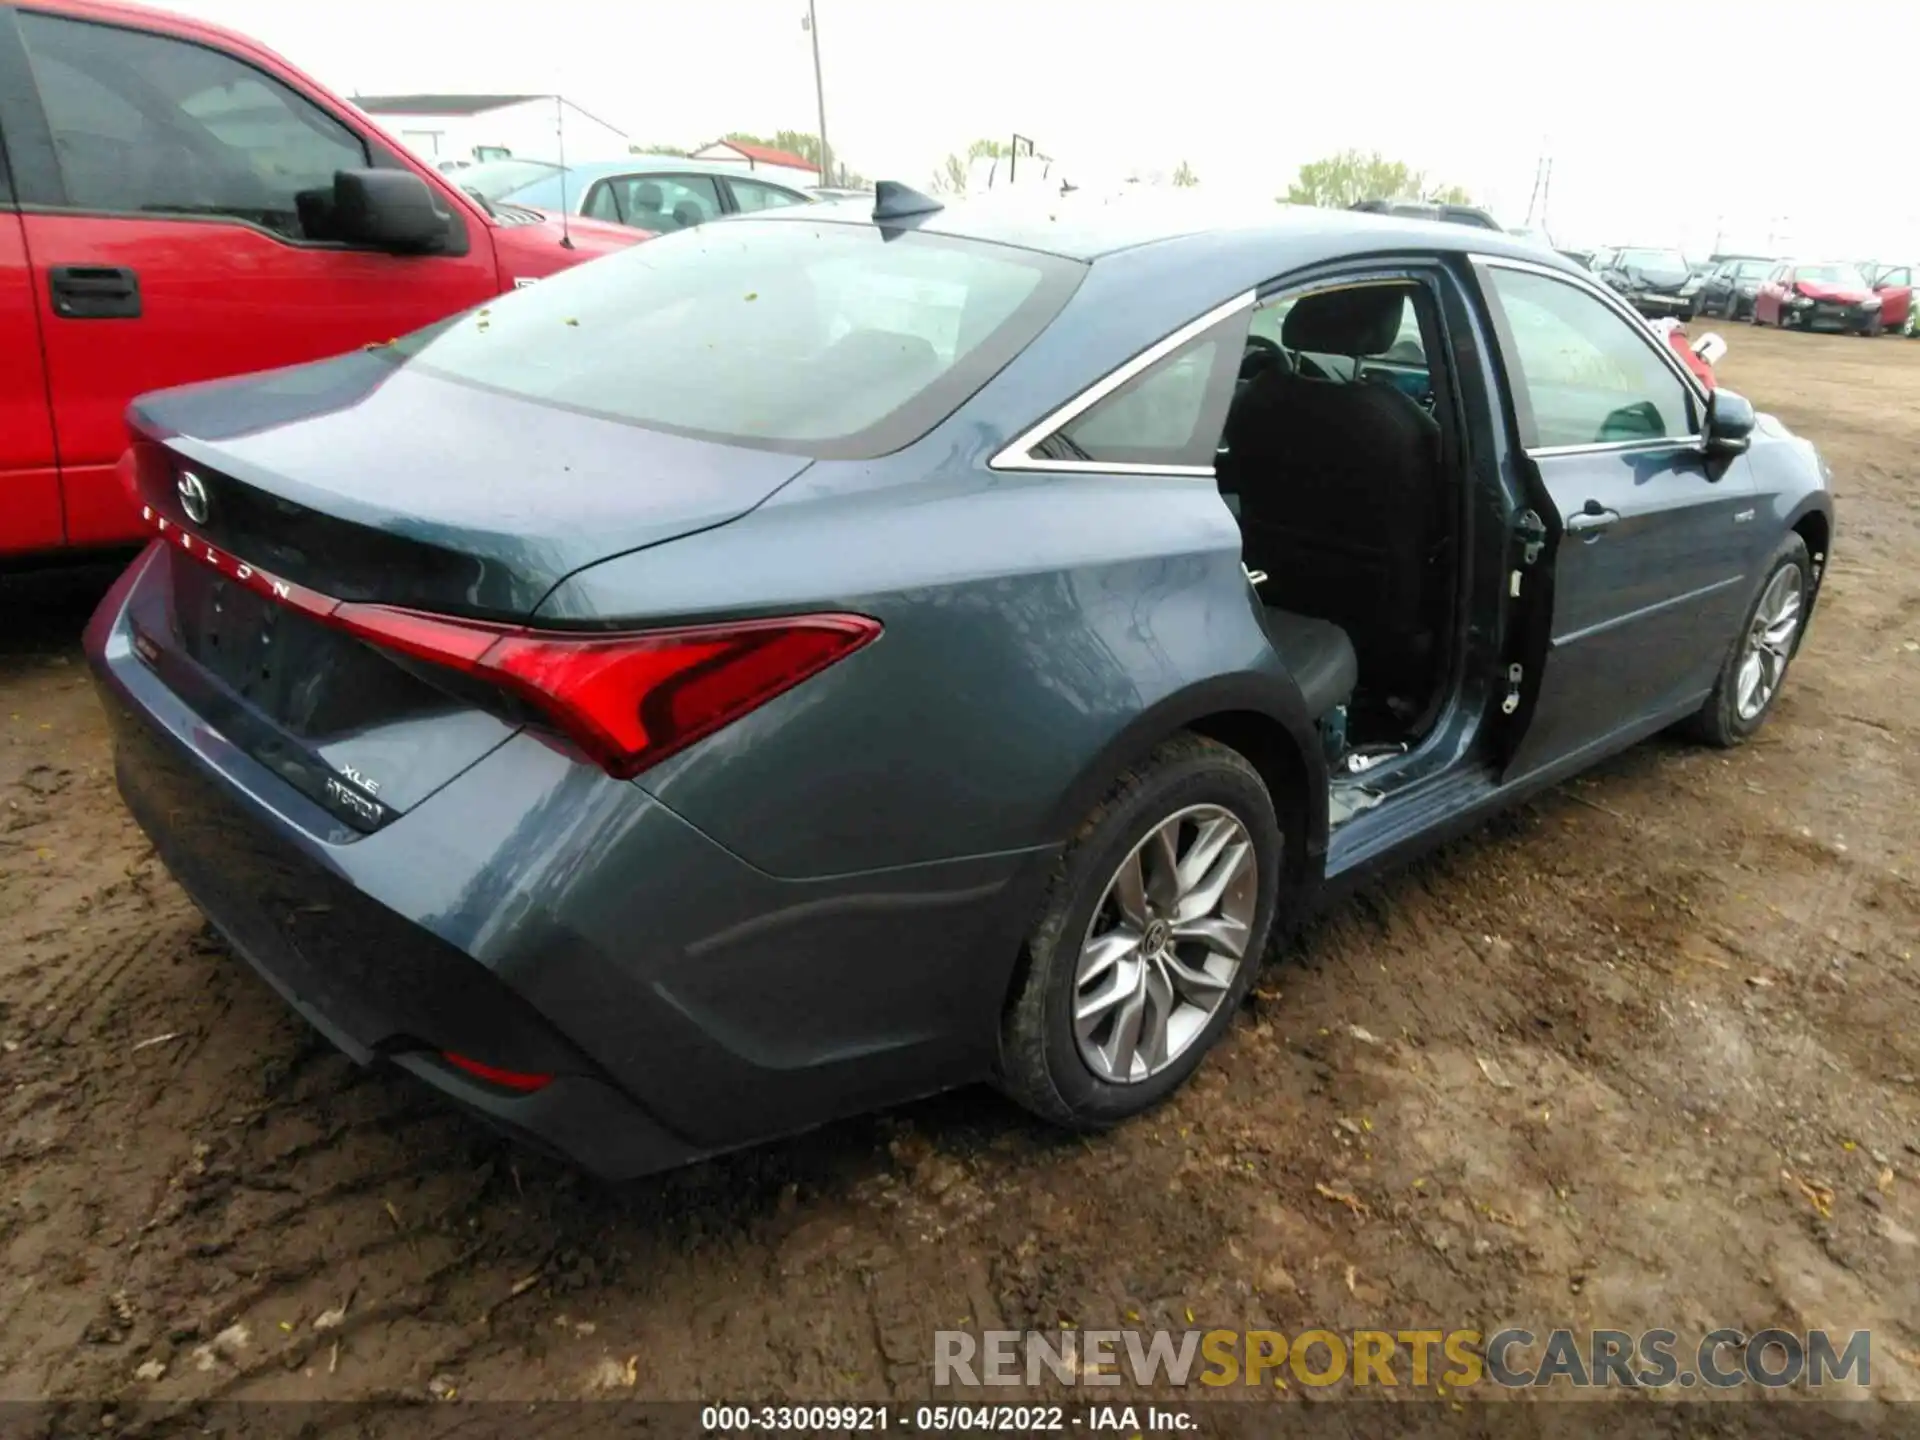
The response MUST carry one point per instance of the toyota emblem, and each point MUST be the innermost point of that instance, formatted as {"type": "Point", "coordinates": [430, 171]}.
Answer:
{"type": "Point", "coordinates": [193, 497]}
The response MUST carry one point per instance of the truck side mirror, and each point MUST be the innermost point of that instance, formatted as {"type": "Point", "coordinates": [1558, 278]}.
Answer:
{"type": "Point", "coordinates": [391, 210]}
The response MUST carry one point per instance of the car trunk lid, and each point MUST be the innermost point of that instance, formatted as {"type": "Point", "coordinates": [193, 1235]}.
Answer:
{"type": "Point", "coordinates": [375, 483]}
{"type": "Point", "coordinates": [291, 498]}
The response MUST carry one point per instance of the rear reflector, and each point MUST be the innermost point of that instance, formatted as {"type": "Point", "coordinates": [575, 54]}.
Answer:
{"type": "Point", "coordinates": [628, 700]}
{"type": "Point", "coordinates": [507, 1079]}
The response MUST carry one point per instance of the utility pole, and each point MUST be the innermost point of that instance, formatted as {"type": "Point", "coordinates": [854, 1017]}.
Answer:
{"type": "Point", "coordinates": [1542, 188]}
{"type": "Point", "coordinates": [812, 26]}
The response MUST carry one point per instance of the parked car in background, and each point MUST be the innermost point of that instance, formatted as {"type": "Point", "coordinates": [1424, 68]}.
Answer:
{"type": "Point", "coordinates": [1653, 281]}
{"type": "Point", "coordinates": [1422, 210]}
{"type": "Point", "coordinates": [1894, 285]}
{"type": "Point", "coordinates": [1810, 297]}
{"type": "Point", "coordinates": [1148, 582]}
{"type": "Point", "coordinates": [496, 179]}
{"type": "Point", "coordinates": [1582, 258]}
{"type": "Point", "coordinates": [656, 193]}
{"type": "Point", "coordinates": [191, 205]}
{"type": "Point", "coordinates": [1730, 286]}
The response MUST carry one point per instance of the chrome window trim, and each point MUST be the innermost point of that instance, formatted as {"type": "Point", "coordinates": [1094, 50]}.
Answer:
{"type": "Point", "coordinates": [1607, 447]}
{"type": "Point", "coordinates": [1015, 456]}
{"type": "Point", "coordinates": [1680, 372]}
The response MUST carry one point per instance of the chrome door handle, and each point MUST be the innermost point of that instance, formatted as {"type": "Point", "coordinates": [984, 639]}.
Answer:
{"type": "Point", "coordinates": [1593, 519]}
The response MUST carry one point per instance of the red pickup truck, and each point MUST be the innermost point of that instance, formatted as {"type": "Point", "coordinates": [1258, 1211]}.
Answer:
{"type": "Point", "coordinates": [179, 203]}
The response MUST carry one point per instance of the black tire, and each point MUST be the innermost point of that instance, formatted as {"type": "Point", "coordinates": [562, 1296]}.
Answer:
{"type": "Point", "coordinates": [1718, 721]}
{"type": "Point", "coordinates": [1872, 328]}
{"type": "Point", "coordinates": [1039, 1064]}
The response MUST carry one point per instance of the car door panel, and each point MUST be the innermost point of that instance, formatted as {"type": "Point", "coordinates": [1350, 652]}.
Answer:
{"type": "Point", "coordinates": [1649, 543]}
{"type": "Point", "coordinates": [1896, 296]}
{"type": "Point", "coordinates": [29, 466]}
{"type": "Point", "coordinates": [142, 279]}
{"type": "Point", "coordinates": [1649, 577]}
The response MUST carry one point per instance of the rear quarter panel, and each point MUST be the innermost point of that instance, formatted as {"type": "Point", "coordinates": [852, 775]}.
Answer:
{"type": "Point", "coordinates": [1030, 620]}
{"type": "Point", "coordinates": [1038, 626]}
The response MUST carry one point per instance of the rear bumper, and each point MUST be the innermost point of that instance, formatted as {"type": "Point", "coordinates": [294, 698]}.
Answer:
{"type": "Point", "coordinates": [542, 917]}
{"type": "Point", "coordinates": [377, 985]}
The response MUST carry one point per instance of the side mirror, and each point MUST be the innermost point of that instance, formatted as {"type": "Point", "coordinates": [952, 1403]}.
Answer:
{"type": "Point", "coordinates": [1710, 348]}
{"type": "Point", "coordinates": [1729, 424]}
{"type": "Point", "coordinates": [387, 210]}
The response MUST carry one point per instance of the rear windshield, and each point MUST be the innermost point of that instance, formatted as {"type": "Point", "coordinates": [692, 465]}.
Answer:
{"type": "Point", "coordinates": [497, 179]}
{"type": "Point", "coordinates": [823, 339]}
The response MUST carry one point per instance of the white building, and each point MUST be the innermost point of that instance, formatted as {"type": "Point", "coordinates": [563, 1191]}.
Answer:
{"type": "Point", "coordinates": [448, 130]}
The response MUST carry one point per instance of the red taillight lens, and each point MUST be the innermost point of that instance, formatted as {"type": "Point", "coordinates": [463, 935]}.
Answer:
{"type": "Point", "coordinates": [506, 1079]}
{"type": "Point", "coordinates": [628, 700]}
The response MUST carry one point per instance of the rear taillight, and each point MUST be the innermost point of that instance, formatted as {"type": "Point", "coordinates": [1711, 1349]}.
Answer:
{"type": "Point", "coordinates": [628, 700]}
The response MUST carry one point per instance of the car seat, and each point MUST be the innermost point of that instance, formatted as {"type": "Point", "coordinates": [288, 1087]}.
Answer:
{"type": "Point", "coordinates": [643, 207]}
{"type": "Point", "coordinates": [1337, 482]}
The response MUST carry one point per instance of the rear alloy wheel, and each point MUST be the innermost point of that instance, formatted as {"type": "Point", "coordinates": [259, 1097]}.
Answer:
{"type": "Point", "coordinates": [1756, 665]}
{"type": "Point", "coordinates": [1151, 937]}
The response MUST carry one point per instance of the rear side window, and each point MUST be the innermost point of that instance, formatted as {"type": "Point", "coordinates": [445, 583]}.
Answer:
{"type": "Point", "coordinates": [660, 203]}
{"type": "Point", "coordinates": [837, 341]}
{"type": "Point", "coordinates": [752, 195]}
{"type": "Point", "coordinates": [1591, 376]}
{"type": "Point", "coordinates": [1168, 416]}
{"type": "Point", "coordinates": [149, 125]}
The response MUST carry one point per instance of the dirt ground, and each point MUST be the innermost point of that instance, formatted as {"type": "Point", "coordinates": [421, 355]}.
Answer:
{"type": "Point", "coordinates": [1641, 1053]}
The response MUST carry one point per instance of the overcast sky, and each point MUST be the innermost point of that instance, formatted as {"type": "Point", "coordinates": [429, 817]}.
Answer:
{"type": "Point", "coordinates": [1782, 127]}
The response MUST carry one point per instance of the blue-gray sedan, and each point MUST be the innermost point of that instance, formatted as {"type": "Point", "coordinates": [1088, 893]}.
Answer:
{"type": "Point", "coordinates": [826, 656]}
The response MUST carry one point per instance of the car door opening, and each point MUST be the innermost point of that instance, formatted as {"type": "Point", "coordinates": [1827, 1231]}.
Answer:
{"type": "Point", "coordinates": [1337, 462]}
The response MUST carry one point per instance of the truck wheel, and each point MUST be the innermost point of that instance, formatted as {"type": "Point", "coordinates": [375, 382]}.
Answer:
{"type": "Point", "coordinates": [1150, 938]}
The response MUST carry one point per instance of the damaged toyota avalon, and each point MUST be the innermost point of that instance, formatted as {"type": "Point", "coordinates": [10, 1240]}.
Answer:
{"type": "Point", "coordinates": [843, 652]}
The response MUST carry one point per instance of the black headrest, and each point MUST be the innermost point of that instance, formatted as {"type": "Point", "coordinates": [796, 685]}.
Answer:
{"type": "Point", "coordinates": [1360, 321]}
{"type": "Point", "coordinates": [647, 195]}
